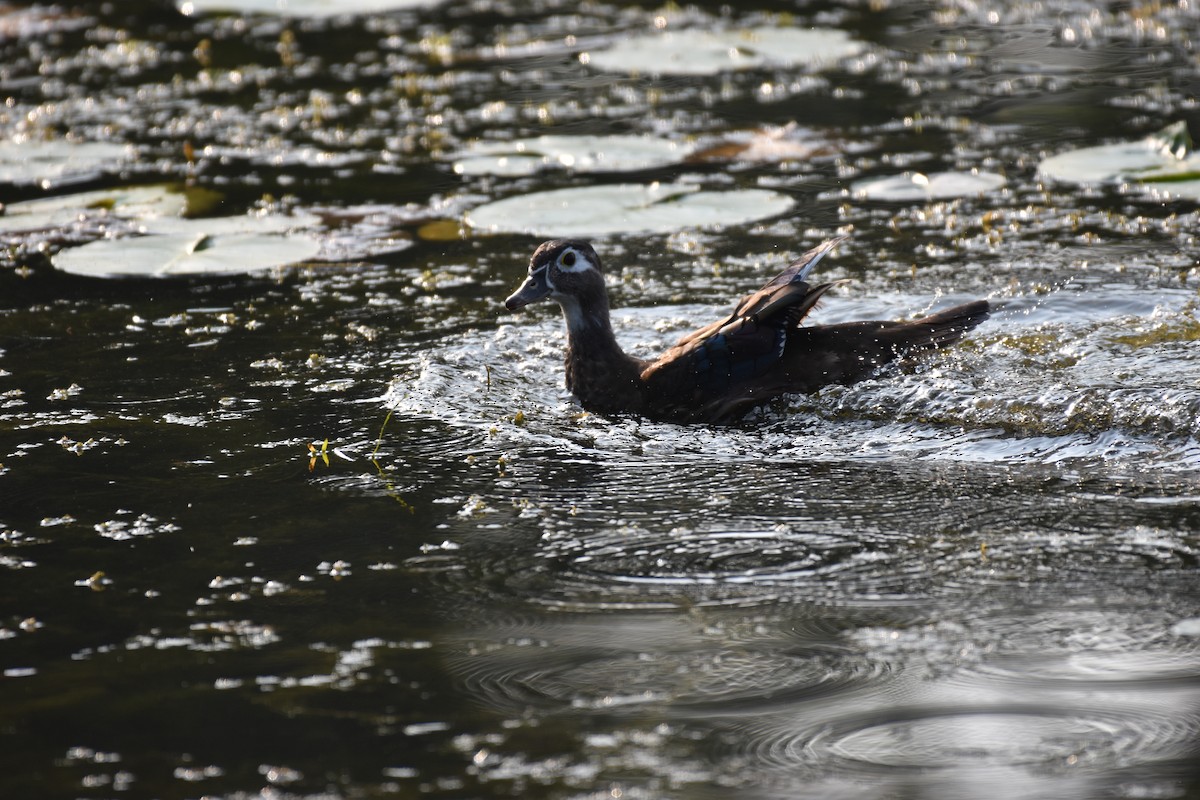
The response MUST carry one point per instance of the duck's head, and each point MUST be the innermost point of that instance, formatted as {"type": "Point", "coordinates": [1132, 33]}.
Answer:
{"type": "Point", "coordinates": [567, 270]}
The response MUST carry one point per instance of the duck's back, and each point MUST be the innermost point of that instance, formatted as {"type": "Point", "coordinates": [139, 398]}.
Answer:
{"type": "Point", "coordinates": [747, 361]}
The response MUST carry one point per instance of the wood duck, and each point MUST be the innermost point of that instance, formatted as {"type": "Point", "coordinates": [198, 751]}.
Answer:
{"type": "Point", "coordinates": [717, 373]}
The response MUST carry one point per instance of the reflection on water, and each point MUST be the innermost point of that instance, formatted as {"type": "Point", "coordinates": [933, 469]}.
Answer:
{"type": "Point", "coordinates": [945, 633]}
{"type": "Point", "coordinates": [339, 532]}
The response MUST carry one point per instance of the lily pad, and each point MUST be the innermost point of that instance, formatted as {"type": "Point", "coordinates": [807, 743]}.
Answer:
{"type": "Point", "coordinates": [298, 8]}
{"type": "Point", "coordinates": [704, 52]}
{"type": "Point", "coordinates": [919, 186]}
{"type": "Point", "coordinates": [1164, 157]}
{"type": "Point", "coordinates": [278, 155]}
{"type": "Point", "coordinates": [248, 223]}
{"type": "Point", "coordinates": [361, 232]}
{"type": "Point", "coordinates": [625, 208]}
{"type": "Point", "coordinates": [25, 24]}
{"type": "Point", "coordinates": [219, 246]}
{"type": "Point", "coordinates": [1189, 189]}
{"type": "Point", "coordinates": [138, 202]}
{"type": "Point", "coordinates": [58, 162]}
{"type": "Point", "coordinates": [785, 143]}
{"type": "Point", "coordinates": [575, 153]}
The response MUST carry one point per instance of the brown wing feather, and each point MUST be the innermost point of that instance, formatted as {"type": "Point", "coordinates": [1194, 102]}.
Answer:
{"type": "Point", "coordinates": [787, 290]}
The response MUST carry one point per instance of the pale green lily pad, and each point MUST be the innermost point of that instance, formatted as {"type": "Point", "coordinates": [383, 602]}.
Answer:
{"type": "Point", "coordinates": [789, 142]}
{"type": "Point", "coordinates": [26, 24]}
{"type": "Point", "coordinates": [1189, 189]}
{"type": "Point", "coordinates": [625, 208]}
{"type": "Point", "coordinates": [362, 232]}
{"type": "Point", "coordinates": [1164, 157]}
{"type": "Point", "coordinates": [298, 8]}
{"type": "Point", "coordinates": [704, 52]}
{"type": "Point", "coordinates": [279, 155]}
{"type": "Point", "coordinates": [225, 226]}
{"type": "Point", "coordinates": [220, 246]}
{"type": "Point", "coordinates": [137, 202]}
{"type": "Point", "coordinates": [58, 162]}
{"type": "Point", "coordinates": [919, 186]}
{"type": "Point", "coordinates": [575, 153]}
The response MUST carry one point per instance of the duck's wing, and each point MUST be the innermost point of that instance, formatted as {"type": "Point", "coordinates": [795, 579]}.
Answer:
{"type": "Point", "coordinates": [734, 351]}
{"type": "Point", "coordinates": [787, 293]}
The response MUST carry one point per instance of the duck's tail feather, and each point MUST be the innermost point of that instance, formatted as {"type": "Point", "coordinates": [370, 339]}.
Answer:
{"type": "Point", "coordinates": [848, 352]}
{"type": "Point", "coordinates": [938, 329]}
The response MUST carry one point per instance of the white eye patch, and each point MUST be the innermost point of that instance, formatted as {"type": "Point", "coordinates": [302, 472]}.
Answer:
{"type": "Point", "coordinates": [571, 260]}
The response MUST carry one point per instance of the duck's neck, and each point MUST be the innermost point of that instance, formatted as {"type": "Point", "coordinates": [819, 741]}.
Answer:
{"type": "Point", "coordinates": [599, 373]}
{"type": "Point", "coordinates": [589, 330]}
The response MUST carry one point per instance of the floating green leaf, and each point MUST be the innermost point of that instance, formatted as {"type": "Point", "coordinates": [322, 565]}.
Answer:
{"type": "Point", "coordinates": [919, 186]}
{"type": "Point", "coordinates": [131, 202]}
{"type": "Point", "coordinates": [625, 208]}
{"type": "Point", "coordinates": [248, 223]}
{"type": "Point", "coordinates": [575, 153]}
{"type": "Point", "coordinates": [220, 246]}
{"type": "Point", "coordinates": [784, 143]}
{"type": "Point", "coordinates": [1165, 157]}
{"type": "Point", "coordinates": [704, 52]}
{"type": "Point", "coordinates": [58, 162]}
{"type": "Point", "coordinates": [297, 8]}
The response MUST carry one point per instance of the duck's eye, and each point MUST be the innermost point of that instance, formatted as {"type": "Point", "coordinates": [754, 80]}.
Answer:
{"type": "Point", "coordinates": [568, 259]}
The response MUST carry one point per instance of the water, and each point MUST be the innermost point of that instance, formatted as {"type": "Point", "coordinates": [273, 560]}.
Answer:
{"type": "Point", "coordinates": [974, 576]}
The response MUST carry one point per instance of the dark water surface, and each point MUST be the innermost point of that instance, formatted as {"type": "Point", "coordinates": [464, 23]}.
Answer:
{"type": "Point", "coordinates": [972, 577]}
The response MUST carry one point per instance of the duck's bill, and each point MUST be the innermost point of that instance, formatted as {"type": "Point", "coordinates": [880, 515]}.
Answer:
{"type": "Point", "coordinates": [535, 288]}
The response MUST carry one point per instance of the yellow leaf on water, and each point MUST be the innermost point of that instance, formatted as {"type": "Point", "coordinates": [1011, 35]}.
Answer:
{"type": "Point", "coordinates": [442, 230]}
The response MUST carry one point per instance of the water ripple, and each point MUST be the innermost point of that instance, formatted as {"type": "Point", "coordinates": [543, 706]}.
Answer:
{"type": "Point", "coordinates": [996, 738]}
{"type": "Point", "coordinates": [1102, 648]}
{"type": "Point", "coordinates": [609, 663]}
